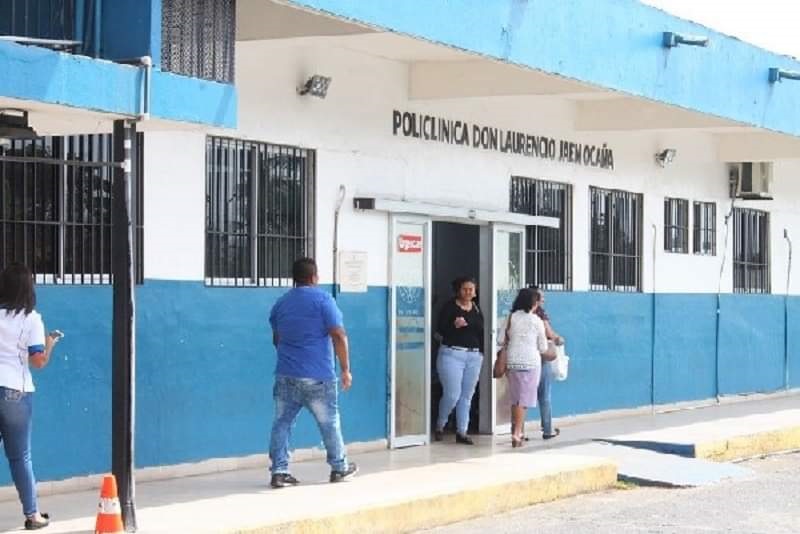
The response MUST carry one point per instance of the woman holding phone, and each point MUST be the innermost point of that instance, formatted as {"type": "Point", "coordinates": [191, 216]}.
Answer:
{"type": "Point", "coordinates": [23, 345]}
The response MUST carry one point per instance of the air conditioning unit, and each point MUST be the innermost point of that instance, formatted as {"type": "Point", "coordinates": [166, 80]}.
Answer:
{"type": "Point", "coordinates": [750, 180]}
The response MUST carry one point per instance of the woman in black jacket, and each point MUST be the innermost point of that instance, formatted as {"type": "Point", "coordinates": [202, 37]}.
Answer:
{"type": "Point", "coordinates": [460, 358]}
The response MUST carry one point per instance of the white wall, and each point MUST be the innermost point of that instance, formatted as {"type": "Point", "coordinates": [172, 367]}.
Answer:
{"type": "Point", "coordinates": [352, 132]}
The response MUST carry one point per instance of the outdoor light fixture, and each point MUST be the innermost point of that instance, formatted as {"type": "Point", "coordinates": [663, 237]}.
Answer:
{"type": "Point", "coordinates": [777, 75]}
{"type": "Point", "coordinates": [666, 156]}
{"type": "Point", "coordinates": [317, 86]}
{"type": "Point", "coordinates": [671, 40]}
{"type": "Point", "coordinates": [14, 125]}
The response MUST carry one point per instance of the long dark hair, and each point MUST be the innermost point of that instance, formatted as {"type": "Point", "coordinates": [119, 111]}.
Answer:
{"type": "Point", "coordinates": [526, 299]}
{"type": "Point", "coordinates": [16, 289]}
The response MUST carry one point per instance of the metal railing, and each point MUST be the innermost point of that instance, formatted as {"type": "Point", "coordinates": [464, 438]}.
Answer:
{"type": "Point", "coordinates": [50, 23]}
{"type": "Point", "coordinates": [55, 207]}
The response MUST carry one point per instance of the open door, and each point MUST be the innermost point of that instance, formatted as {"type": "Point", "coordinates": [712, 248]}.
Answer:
{"type": "Point", "coordinates": [507, 272]}
{"type": "Point", "coordinates": [410, 316]}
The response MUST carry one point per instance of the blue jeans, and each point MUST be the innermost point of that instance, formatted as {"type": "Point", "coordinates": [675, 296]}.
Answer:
{"type": "Point", "coordinates": [543, 396]}
{"type": "Point", "coordinates": [318, 397]}
{"type": "Point", "coordinates": [16, 414]}
{"type": "Point", "coordinates": [459, 371]}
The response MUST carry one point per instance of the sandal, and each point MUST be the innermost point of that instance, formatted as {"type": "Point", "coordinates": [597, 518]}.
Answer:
{"type": "Point", "coordinates": [516, 442]}
{"type": "Point", "coordinates": [36, 524]}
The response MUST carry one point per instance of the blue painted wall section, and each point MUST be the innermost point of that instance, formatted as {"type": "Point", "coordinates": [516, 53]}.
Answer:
{"type": "Point", "coordinates": [205, 364]}
{"type": "Point", "coordinates": [81, 82]}
{"type": "Point", "coordinates": [612, 43]}
{"type": "Point", "coordinates": [131, 29]}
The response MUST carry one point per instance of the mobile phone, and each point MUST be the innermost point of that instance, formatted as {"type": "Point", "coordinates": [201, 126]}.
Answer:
{"type": "Point", "coordinates": [56, 335]}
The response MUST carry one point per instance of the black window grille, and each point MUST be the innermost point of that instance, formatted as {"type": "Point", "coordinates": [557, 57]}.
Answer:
{"type": "Point", "coordinates": [705, 228]}
{"type": "Point", "coordinates": [676, 225]}
{"type": "Point", "coordinates": [55, 216]}
{"type": "Point", "coordinates": [548, 257]}
{"type": "Point", "coordinates": [751, 251]}
{"type": "Point", "coordinates": [40, 19]}
{"type": "Point", "coordinates": [616, 240]}
{"type": "Point", "coordinates": [260, 204]}
{"type": "Point", "coordinates": [198, 38]}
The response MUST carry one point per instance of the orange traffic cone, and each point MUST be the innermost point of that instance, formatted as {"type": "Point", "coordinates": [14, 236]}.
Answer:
{"type": "Point", "coordinates": [109, 513]}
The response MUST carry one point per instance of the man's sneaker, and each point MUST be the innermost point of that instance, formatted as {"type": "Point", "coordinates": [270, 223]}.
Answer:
{"type": "Point", "coordinates": [282, 480]}
{"type": "Point", "coordinates": [341, 476]}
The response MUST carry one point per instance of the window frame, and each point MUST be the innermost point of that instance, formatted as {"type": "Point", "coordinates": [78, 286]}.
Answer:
{"type": "Point", "coordinates": [746, 276]}
{"type": "Point", "coordinates": [702, 234]}
{"type": "Point", "coordinates": [526, 197]}
{"type": "Point", "coordinates": [676, 232]}
{"type": "Point", "coordinates": [636, 219]}
{"type": "Point", "coordinates": [257, 211]}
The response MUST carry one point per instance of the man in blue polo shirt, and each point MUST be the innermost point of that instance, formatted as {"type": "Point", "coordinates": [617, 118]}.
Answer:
{"type": "Point", "coordinates": [306, 330]}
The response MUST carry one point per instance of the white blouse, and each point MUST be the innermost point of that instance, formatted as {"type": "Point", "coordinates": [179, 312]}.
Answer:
{"type": "Point", "coordinates": [20, 336]}
{"type": "Point", "coordinates": [526, 340]}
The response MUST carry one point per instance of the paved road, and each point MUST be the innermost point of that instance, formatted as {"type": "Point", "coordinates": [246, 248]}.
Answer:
{"type": "Point", "coordinates": [767, 502]}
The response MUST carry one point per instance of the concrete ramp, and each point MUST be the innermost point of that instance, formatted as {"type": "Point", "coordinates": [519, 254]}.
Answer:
{"type": "Point", "coordinates": [649, 468]}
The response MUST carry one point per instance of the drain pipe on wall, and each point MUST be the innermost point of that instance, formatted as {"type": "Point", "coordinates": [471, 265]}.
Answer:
{"type": "Point", "coordinates": [653, 328]}
{"type": "Point", "coordinates": [719, 291]}
{"type": "Point", "coordinates": [339, 201]}
{"type": "Point", "coordinates": [144, 94]}
{"type": "Point", "coordinates": [786, 313]}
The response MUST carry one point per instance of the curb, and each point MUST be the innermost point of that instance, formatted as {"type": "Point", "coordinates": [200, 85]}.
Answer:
{"type": "Point", "coordinates": [444, 509]}
{"type": "Point", "coordinates": [748, 446]}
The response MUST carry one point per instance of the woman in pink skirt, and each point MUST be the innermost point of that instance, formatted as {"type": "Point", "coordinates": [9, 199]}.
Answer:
{"type": "Point", "coordinates": [526, 340]}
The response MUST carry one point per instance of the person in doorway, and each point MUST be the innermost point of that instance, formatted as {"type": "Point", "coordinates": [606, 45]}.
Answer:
{"type": "Point", "coordinates": [546, 380]}
{"type": "Point", "coordinates": [307, 329]}
{"type": "Point", "coordinates": [459, 361]}
{"type": "Point", "coordinates": [525, 341]}
{"type": "Point", "coordinates": [23, 344]}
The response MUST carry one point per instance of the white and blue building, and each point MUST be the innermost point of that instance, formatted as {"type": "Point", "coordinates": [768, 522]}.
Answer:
{"type": "Point", "coordinates": [594, 148]}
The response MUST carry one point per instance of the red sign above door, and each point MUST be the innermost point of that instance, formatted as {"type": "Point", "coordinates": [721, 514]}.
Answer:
{"type": "Point", "coordinates": [409, 243]}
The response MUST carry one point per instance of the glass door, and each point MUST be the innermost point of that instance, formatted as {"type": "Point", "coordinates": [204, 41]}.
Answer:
{"type": "Point", "coordinates": [508, 268]}
{"type": "Point", "coordinates": [410, 330]}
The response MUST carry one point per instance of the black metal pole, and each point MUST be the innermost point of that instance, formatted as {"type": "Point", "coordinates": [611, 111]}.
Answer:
{"type": "Point", "coordinates": [124, 326]}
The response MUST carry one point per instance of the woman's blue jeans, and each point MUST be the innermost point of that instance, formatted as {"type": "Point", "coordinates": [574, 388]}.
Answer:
{"type": "Point", "coordinates": [16, 414]}
{"type": "Point", "coordinates": [543, 396]}
{"type": "Point", "coordinates": [459, 371]}
{"type": "Point", "coordinates": [321, 399]}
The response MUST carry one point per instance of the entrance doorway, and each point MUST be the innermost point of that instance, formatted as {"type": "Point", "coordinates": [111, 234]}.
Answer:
{"type": "Point", "coordinates": [456, 252]}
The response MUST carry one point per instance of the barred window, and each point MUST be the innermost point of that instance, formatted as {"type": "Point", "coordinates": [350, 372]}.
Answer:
{"type": "Point", "coordinates": [616, 240]}
{"type": "Point", "coordinates": [547, 250]}
{"type": "Point", "coordinates": [750, 251]}
{"type": "Point", "coordinates": [55, 209]}
{"type": "Point", "coordinates": [676, 225]}
{"type": "Point", "coordinates": [705, 228]}
{"type": "Point", "coordinates": [198, 38]}
{"type": "Point", "coordinates": [259, 211]}
{"type": "Point", "coordinates": [43, 19]}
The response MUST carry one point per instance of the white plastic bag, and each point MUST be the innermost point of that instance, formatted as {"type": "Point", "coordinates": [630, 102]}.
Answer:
{"type": "Point", "coordinates": [560, 366]}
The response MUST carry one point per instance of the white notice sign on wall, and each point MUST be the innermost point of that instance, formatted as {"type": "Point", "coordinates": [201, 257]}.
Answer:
{"type": "Point", "coordinates": [352, 272]}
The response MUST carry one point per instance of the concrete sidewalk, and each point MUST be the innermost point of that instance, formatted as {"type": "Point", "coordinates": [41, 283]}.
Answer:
{"type": "Point", "coordinates": [405, 490]}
